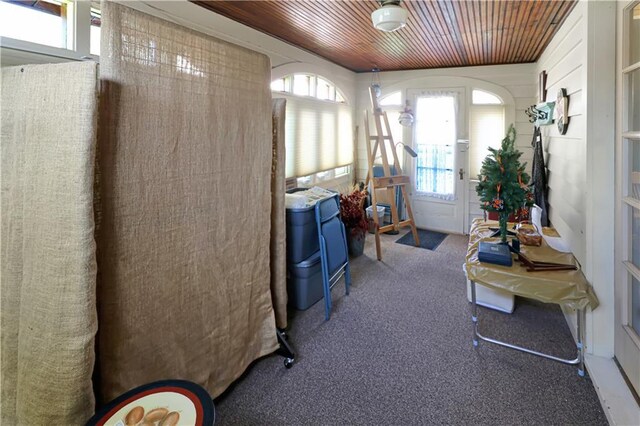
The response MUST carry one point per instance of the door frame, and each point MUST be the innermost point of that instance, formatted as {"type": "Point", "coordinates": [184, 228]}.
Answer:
{"type": "Point", "coordinates": [460, 161]}
{"type": "Point", "coordinates": [626, 340]}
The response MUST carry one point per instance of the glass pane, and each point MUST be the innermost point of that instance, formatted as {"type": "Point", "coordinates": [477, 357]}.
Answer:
{"type": "Point", "coordinates": [634, 35]}
{"type": "Point", "coordinates": [434, 170]}
{"type": "Point", "coordinates": [325, 90]}
{"type": "Point", "coordinates": [634, 191]}
{"type": "Point", "coordinates": [635, 304]}
{"type": "Point", "coordinates": [480, 97]}
{"type": "Point", "coordinates": [394, 98]}
{"type": "Point", "coordinates": [304, 181]}
{"type": "Point", "coordinates": [278, 85]}
{"type": "Point", "coordinates": [339, 97]}
{"type": "Point", "coordinates": [435, 137]}
{"type": "Point", "coordinates": [633, 111]}
{"type": "Point", "coordinates": [341, 171]}
{"type": "Point", "coordinates": [94, 37]}
{"type": "Point", "coordinates": [635, 236]}
{"type": "Point", "coordinates": [43, 25]}
{"type": "Point", "coordinates": [301, 85]}
{"type": "Point", "coordinates": [94, 47]}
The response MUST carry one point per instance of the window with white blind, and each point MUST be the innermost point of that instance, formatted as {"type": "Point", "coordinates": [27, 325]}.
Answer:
{"type": "Point", "coordinates": [486, 129]}
{"type": "Point", "coordinates": [318, 125]}
{"type": "Point", "coordinates": [318, 136]}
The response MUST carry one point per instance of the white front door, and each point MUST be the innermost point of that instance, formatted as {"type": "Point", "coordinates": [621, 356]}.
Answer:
{"type": "Point", "coordinates": [439, 173]}
{"type": "Point", "coordinates": [627, 288]}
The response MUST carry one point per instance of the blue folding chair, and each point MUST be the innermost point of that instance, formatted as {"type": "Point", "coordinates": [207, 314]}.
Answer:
{"type": "Point", "coordinates": [334, 256]}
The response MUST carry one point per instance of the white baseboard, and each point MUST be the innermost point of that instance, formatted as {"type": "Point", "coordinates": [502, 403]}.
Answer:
{"type": "Point", "coordinates": [615, 396]}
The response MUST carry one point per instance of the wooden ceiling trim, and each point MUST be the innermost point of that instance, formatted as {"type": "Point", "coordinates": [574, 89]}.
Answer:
{"type": "Point", "coordinates": [543, 16]}
{"type": "Point", "coordinates": [246, 10]}
{"type": "Point", "coordinates": [439, 8]}
{"type": "Point", "coordinates": [463, 29]}
{"type": "Point", "coordinates": [477, 29]}
{"type": "Point", "coordinates": [539, 16]}
{"type": "Point", "coordinates": [495, 37]}
{"type": "Point", "coordinates": [434, 49]}
{"type": "Point", "coordinates": [450, 55]}
{"type": "Point", "coordinates": [553, 24]}
{"type": "Point", "coordinates": [514, 11]}
{"type": "Point", "coordinates": [439, 33]}
{"type": "Point", "coordinates": [455, 35]}
{"type": "Point", "coordinates": [434, 52]}
{"type": "Point", "coordinates": [522, 19]}
{"type": "Point", "coordinates": [438, 51]}
{"type": "Point", "coordinates": [323, 34]}
{"type": "Point", "coordinates": [387, 45]}
{"type": "Point", "coordinates": [392, 47]}
{"type": "Point", "coordinates": [472, 29]}
{"type": "Point", "coordinates": [424, 44]}
{"type": "Point", "coordinates": [507, 32]}
{"type": "Point", "coordinates": [484, 24]}
{"type": "Point", "coordinates": [403, 45]}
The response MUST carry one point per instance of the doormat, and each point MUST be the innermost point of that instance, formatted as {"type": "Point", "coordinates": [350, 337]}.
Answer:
{"type": "Point", "coordinates": [428, 239]}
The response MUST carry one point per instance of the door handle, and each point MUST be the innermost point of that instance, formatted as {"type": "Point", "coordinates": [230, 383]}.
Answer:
{"type": "Point", "coordinates": [461, 173]}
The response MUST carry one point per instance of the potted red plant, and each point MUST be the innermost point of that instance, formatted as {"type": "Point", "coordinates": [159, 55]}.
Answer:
{"type": "Point", "coordinates": [355, 221]}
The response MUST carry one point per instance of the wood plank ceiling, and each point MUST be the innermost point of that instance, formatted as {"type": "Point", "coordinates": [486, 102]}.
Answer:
{"type": "Point", "coordinates": [438, 34]}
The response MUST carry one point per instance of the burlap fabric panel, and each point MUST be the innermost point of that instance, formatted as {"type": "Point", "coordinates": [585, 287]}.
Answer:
{"type": "Point", "coordinates": [48, 249]}
{"type": "Point", "coordinates": [185, 186]}
{"type": "Point", "coordinates": [278, 216]}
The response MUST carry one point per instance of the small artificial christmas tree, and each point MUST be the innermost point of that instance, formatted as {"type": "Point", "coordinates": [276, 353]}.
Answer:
{"type": "Point", "coordinates": [503, 186]}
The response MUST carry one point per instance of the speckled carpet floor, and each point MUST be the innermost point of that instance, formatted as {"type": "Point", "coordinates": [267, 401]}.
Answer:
{"type": "Point", "coordinates": [397, 351]}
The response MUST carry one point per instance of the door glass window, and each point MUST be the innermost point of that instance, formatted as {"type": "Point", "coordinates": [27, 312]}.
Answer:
{"type": "Point", "coordinates": [634, 101]}
{"type": "Point", "coordinates": [635, 237]}
{"type": "Point", "coordinates": [435, 138]}
{"type": "Point", "coordinates": [634, 35]}
{"type": "Point", "coordinates": [634, 190]}
{"type": "Point", "coordinates": [635, 304]}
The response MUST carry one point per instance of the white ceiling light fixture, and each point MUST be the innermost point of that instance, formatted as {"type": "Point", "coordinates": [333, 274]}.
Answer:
{"type": "Point", "coordinates": [390, 16]}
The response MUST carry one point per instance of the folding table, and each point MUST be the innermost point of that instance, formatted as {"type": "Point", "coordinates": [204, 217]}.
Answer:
{"type": "Point", "coordinates": [566, 288]}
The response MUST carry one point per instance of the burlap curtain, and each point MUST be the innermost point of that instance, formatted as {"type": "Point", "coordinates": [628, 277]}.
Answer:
{"type": "Point", "coordinates": [48, 250]}
{"type": "Point", "coordinates": [278, 216]}
{"type": "Point", "coordinates": [185, 186]}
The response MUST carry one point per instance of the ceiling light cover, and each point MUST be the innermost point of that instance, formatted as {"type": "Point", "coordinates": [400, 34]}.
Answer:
{"type": "Point", "coordinates": [389, 18]}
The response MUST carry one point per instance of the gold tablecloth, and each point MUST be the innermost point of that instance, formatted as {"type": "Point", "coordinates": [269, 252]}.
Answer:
{"type": "Point", "coordinates": [567, 288]}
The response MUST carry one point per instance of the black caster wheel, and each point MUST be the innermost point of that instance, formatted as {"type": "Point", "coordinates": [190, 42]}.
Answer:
{"type": "Point", "coordinates": [288, 362]}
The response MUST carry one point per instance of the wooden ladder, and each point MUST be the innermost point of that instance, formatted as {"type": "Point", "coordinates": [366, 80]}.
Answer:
{"type": "Point", "coordinates": [388, 181]}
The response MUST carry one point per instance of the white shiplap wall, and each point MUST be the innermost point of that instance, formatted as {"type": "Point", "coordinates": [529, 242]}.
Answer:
{"type": "Point", "coordinates": [565, 155]}
{"type": "Point", "coordinates": [581, 59]}
{"type": "Point", "coordinates": [518, 81]}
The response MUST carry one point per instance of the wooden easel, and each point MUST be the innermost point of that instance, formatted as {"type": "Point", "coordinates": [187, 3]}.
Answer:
{"type": "Point", "coordinates": [388, 181]}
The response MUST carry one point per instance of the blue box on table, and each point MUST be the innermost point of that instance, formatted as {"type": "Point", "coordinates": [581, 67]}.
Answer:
{"type": "Point", "coordinates": [496, 253]}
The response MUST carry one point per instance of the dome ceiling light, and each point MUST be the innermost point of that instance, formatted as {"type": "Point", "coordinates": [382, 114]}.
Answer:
{"type": "Point", "coordinates": [390, 16]}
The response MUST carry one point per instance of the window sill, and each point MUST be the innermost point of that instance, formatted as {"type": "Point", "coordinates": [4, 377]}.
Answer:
{"type": "Point", "coordinates": [21, 52]}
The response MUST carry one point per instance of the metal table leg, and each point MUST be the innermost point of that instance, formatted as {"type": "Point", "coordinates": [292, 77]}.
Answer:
{"type": "Point", "coordinates": [579, 360]}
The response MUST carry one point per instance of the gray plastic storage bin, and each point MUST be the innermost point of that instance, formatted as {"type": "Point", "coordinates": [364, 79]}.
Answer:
{"type": "Point", "coordinates": [304, 282]}
{"type": "Point", "coordinates": [302, 232]}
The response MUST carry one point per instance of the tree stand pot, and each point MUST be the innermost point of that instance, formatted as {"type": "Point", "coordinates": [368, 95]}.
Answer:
{"type": "Point", "coordinates": [355, 243]}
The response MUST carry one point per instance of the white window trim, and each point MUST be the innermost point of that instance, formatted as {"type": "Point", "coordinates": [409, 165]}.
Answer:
{"type": "Point", "coordinates": [313, 87]}
{"type": "Point", "coordinates": [78, 37]}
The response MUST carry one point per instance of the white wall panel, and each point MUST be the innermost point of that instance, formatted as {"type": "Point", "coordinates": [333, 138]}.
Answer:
{"type": "Point", "coordinates": [580, 59]}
